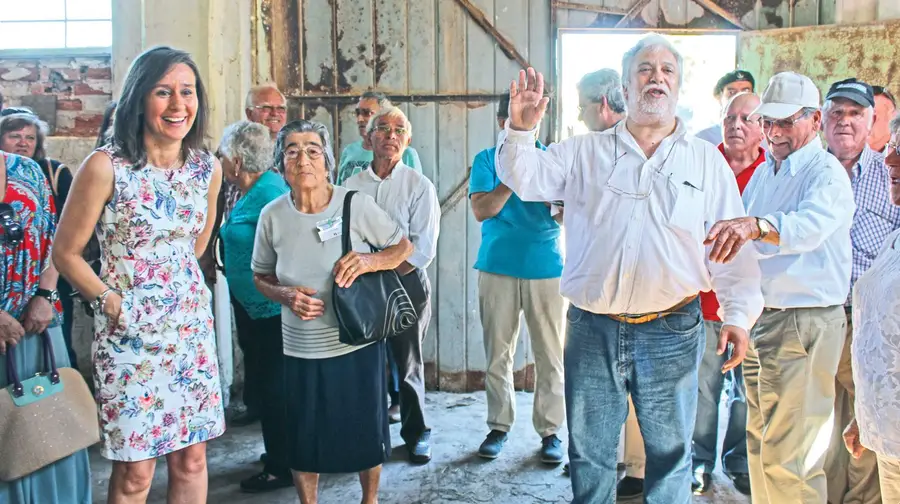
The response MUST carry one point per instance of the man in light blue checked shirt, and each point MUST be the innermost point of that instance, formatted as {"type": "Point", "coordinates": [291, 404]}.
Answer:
{"type": "Point", "coordinates": [801, 208]}
{"type": "Point", "coordinates": [847, 118]}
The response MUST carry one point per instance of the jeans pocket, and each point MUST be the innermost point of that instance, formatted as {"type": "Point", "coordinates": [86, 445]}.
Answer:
{"type": "Point", "coordinates": [574, 314]}
{"type": "Point", "coordinates": [682, 322]}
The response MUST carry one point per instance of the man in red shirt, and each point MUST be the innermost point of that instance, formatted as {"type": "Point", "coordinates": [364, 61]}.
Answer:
{"type": "Point", "coordinates": [742, 136]}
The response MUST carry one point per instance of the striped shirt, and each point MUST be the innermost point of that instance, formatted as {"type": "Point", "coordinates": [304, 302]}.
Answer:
{"type": "Point", "coordinates": [876, 216]}
{"type": "Point", "coordinates": [288, 246]}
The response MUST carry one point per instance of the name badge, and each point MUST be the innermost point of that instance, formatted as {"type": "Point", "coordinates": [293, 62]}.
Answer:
{"type": "Point", "coordinates": [329, 228]}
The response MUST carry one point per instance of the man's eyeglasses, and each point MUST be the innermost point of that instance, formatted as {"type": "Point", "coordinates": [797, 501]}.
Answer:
{"type": "Point", "coordinates": [270, 109]}
{"type": "Point", "coordinates": [386, 130]}
{"type": "Point", "coordinates": [893, 147]}
{"type": "Point", "coordinates": [582, 108]}
{"type": "Point", "coordinates": [312, 152]}
{"type": "Point", "coordinates": [785, 124]}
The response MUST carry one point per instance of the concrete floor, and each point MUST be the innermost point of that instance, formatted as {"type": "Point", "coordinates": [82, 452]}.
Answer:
{"type": "Point", "coordinates": [455, 475]}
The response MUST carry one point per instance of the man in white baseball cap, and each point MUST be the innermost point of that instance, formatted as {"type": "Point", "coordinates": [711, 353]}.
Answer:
{"type": "Point", "coordinates": [801, 207]}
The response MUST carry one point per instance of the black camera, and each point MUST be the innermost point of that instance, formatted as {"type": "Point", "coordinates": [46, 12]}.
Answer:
{"type": "Point", "coordinates": [11, 232]}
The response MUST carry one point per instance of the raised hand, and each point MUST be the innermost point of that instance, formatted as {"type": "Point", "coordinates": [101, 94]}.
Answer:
{"type": "Point", "coordinates": [527, 102]}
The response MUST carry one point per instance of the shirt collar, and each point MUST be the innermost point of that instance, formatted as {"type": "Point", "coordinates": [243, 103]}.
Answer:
{"type": "Point", "coordinates": [798, 158]}
{"type": "Point", "coordinates": [760, 156]}
{"type": "Point", "coordinates": [864, 161]}
{"type": "Point", "coordinates": [621, 131]}
{"type": "Point", "coordinates": [371, 171]}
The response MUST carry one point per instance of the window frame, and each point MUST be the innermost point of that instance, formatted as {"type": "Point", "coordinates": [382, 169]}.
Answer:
{"type": "Point", "coordinates": [36, 52]}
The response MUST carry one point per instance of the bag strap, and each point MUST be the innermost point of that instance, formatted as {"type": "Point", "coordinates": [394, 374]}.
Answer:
{"type": "Point", "coordinates": [12, 375]}
{"type": "Point", "coordinates": [345, 224]}
{"type": "Point", "coordinates": [54, 176]}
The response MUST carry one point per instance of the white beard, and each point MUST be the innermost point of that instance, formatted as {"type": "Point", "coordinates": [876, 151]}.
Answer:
{"type": "Point", "coordinates": [644, 108]}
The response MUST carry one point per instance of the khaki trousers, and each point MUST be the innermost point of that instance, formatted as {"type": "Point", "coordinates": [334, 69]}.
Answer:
{"type": "Point", "coordinates": [789, 373]}
{"type": "Point", "coordinates": [632, 445]}
{"type": "Point", "coordinates": [502, 299]}
{"type": "Point", "coordinates": [850, 481]}
{"type": "Point", "coordinates": [889, 476]}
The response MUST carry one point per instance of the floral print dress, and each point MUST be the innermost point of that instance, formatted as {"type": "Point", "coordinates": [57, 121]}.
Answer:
{"type": "Point", "coordinates": [155, 370]}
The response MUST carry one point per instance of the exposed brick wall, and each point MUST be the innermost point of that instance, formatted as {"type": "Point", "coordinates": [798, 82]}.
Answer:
{"type": "Point", "coordinates": [82, 86]}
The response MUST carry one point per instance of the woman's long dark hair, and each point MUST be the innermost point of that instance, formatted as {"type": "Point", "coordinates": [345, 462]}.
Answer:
{"type": "Point", "coordinates": [102, 138]}
{"type": "Point", "coordinates": [143, 75]}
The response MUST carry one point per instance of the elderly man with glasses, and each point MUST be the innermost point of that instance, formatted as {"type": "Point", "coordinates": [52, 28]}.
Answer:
{"type": "Point", "coordinates": [638, 198]}
{"type": "Point", "coordinates": [801, 208]}
{"type": "Point", "coordinates": [266, 105]}
{"type": "Point", "coordinates": [847, 118]}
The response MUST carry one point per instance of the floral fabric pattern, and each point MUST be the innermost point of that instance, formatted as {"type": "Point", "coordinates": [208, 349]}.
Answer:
{"type": "Point", "coordinates": [876, 351]}
{"type": "Point", "coordinates": [155, 369]}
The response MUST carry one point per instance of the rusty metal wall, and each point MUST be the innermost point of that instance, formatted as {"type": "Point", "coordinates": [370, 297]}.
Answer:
{"type": "Point", "coordinates": [826, 54]}
{"type": "Point", "coordinates": [446, 72]}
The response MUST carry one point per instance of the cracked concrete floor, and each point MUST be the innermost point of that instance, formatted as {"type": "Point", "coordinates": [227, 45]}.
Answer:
{"type": "Point", "coordinates": [455, 475]}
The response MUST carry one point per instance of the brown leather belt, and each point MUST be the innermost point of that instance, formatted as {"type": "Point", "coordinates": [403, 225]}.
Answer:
{"type": "Point", "coordinates": [649, 317]}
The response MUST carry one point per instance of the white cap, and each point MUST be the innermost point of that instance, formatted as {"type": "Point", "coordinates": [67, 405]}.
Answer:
{"type": "Point", "coordinates": [786, 94]}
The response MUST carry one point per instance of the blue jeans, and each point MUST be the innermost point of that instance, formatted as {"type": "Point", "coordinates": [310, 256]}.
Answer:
{"type": "Point", "coordinates": [656, 362]}
{"type": "Point", "coordinates": [706, 432]}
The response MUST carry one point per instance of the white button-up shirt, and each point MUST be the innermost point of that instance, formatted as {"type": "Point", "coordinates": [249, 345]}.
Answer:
{"type": "Point", "coordinates": [810, 202]}
{"type": "Point", "coordinates": [635, 226]}
{"type": "Point", "coordinates": [411, 200]}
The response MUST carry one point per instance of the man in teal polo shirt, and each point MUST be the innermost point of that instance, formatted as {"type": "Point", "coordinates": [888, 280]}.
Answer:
{"type": "Point", "coordinates": [519, 264]}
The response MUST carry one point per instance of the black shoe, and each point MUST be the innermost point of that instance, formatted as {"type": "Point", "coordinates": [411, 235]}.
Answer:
{"type": "Point", "coordinates": [265, 482]}
{"type": "Point", "coordinates": [701, 483]}
{"type": "Point", "coordinates": [263, 458]}
{"type": "Point", "coordinates": [420, 452]}
{"type": "Point", "coordinates": [394, 414]}
{"type": "Point", "coordinates": [244, 419]}
{"type": "Point", "coordinates": [492, 445]}
{"type": "Point", "coordinates": [551, 450]}
{"type": "Point", "coordinates": [741, 482]}
{"type": "Point", "coordinates": [630, 487]}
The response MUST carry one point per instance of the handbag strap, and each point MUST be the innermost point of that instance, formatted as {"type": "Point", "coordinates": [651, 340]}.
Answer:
{"type": "Point", "coordinates": [12, 374]}
{"type": "Point", "coordinates": [345, 224]}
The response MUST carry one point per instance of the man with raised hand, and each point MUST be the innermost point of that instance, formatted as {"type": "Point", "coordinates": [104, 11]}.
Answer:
{"type": "Point", "coordinates": [639, 198]}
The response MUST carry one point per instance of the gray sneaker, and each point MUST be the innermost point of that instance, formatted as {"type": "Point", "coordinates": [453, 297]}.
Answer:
{"type": "Point", "coordinates": [492, 445]}
{"type": "Point", "coordinates": [551, 450]}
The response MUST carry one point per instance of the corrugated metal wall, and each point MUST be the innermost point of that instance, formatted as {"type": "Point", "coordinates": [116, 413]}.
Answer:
{"type": "Point", "coordinates": [446, 72]}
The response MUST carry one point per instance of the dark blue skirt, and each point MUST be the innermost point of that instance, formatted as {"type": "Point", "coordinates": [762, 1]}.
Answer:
{"type": "Point", "coordinates": [336, 409]}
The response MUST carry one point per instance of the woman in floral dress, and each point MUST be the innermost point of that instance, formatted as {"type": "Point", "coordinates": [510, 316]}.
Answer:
{"type": "Point", "coordinates": [153, 190]}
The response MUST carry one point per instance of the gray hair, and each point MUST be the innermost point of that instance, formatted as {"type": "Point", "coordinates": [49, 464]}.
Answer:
{"type": "Point", "coordinates": [251, 143]}
{"type": "Point", "coordinates": [894, 125]}
{"type": "Point", "coordinates": [391, 112]}
{"type": "Point", "coordinates": [870, 112]}
{"type": "Point", "coordinates": [304, 126]}
{"type": "Point", "coordinates": [378, 96]}
{"type": "Point", "coordinates": [651, 40]}
{"type": "Point", "coordinates": [257, 90]}
{"type": "Point", "coordinates": [603, 84]}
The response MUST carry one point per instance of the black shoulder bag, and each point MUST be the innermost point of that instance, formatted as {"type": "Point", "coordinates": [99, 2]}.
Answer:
{"type": "Point", "coordinates": [376, 306]}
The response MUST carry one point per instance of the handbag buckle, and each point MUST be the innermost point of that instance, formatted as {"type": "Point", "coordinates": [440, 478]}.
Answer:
{"type": "Point", "coordinates": [37, 390]}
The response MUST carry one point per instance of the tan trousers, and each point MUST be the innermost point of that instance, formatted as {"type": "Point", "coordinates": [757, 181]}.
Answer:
{"type": "Point", "coordinates": [789, 373]}
{"type": "Point", "coordinates": [501, 300]}
{"type": "Point", "coordinates": [632, 445]}
{"type": "Point", "coordinates": [889, 476]}
{"type": "Point", "coordinates": [850, 481]}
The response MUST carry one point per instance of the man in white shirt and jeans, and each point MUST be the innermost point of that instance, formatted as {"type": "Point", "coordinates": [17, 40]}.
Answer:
{"type": "Point", "coordinates": [639, 199]}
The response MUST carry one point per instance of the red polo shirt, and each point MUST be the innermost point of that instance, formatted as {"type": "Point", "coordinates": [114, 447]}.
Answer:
{"type": "Point", "coordinates": [708, 302]}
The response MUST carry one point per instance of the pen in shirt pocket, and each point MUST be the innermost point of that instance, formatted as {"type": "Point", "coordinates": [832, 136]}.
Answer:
{"type": "Point", "coordinates": [692, 186]}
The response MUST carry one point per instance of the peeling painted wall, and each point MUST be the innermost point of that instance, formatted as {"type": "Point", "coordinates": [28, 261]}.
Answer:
{"type": "Point", "coordinates": [826, 54]}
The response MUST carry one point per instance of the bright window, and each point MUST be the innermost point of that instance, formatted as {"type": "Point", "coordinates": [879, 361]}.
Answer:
{"type": "Point", "coordinates": [55, 24]}
{"type": "Point", "coordinates": [707, 56]}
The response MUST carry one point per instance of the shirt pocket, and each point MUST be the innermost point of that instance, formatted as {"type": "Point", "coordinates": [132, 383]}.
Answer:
{"type": "Point", "coordinates": [686, 214]}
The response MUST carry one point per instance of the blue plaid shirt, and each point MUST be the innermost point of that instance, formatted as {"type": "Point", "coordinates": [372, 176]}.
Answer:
{"type": "Point", "coordinates": [876, 215]}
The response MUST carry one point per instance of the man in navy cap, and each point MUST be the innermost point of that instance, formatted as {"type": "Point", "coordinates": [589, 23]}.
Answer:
{"type": "Point", "coordinates": [847, 118]}
{"type": "Point", "coordinates": [732, 83]}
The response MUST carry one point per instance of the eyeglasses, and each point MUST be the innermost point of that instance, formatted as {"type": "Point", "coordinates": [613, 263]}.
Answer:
{"type": "Point", "coordinates": [386, 130]}
{"type": "Point", "coordinates": [616, 158]}
{"type": "Point", "coordinates": [582, 108]}
{"type": "Point", "coordinates": [893, 147]}
{"type": "Point", "coordinates": [787, 123]}
{"type": "Point", "coordinates": [270, 109]}
{"type": "Point", "coordinates": [312, 152]}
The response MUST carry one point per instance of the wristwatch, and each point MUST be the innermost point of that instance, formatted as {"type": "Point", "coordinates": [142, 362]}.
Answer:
{"type": "Point", "coordinates": [764, 228]}
{"type": "Point", "coordinates": [50, 295]}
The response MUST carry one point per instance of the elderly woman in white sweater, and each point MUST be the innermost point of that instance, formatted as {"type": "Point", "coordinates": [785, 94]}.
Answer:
{"type": "Point", "coordinates": [876, 350]}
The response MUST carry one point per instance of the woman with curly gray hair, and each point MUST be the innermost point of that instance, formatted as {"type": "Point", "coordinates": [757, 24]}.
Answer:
{"type": "Point", "coordinates": [335, 411]}
{"type": "Point", "coordinates": [246, 156]}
